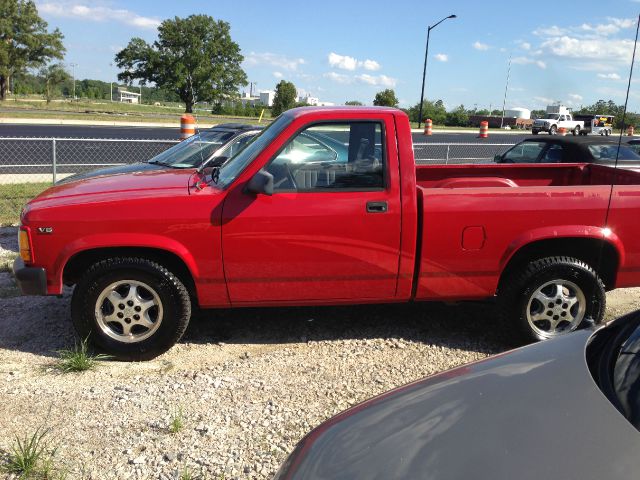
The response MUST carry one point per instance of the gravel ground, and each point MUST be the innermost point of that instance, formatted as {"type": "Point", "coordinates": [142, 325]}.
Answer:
{"type": "Point", "coordinates": [249, 383]}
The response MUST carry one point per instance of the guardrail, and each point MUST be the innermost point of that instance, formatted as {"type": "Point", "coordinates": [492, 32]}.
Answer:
{"type": "Point", "coordinates": [29, 160]}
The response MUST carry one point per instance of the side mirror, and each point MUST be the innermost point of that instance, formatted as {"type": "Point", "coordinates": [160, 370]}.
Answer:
{"type": "Point", "coordinates": [261, 183]}
{"type": "Point", "coordinates": [497, 158]}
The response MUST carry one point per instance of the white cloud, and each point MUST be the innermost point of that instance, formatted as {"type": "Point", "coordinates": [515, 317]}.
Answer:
{"type": "Point", "coordinates": [581, 48]}
{"type": "Point", "coordinates": [545, 100]}
{"type": "Point", "coordinates": [575, 97]}
{"type": "Point", "coordinates": [371, 65]}
{"type": "Point", "coordinates": [345, 62]}
{"type": "Point", "coordinates": [614, 26]}
{"type": "Point", "coordinates": [97, 14]}
{"type": "Point", "coordinates": [480, 46]}
{"type": "Point", "coordinates": [441, 57]}
{"type": "Point", "coordinates": [275, 60]}
{"type": "Point", "coordinates": [529, 61]}
{"type": "Point", "coordinates": [525, 46]}
{"type": "Point", "coordinates": [278, 74]}
{"type": "Point", "coordinates": [553, 31]}
{"type": "Point", "coordinates": [609, 76]}
{"type": "Point", "coordinates": [379, 81]}
{"type": "Point", "coordinates": [338, 78]}
{"type": "Point", "coordinates": [516, 89]}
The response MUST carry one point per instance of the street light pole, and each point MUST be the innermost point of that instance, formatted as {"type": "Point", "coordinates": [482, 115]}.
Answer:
{"type": "Point", "coordinates": [73, 69]}
{"type": "Point", "coordinates": [424, 70]}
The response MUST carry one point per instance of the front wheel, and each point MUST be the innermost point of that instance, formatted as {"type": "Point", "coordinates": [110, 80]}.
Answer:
{"type": "Point", "coordinates": [552, 130]}
{"type": "Point", "coordinates": [551, 297]}
{"type": "Point", "coordinates": [131, 308]}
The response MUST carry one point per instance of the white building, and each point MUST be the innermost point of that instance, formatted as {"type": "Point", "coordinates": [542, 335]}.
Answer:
{"type": "Point", "coordinates": [128, 97]}
{"type": "Point", "coordinates": [314, 101]}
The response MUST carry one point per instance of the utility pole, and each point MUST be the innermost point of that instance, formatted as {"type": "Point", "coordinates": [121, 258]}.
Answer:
{"type": "Point", "coordinates": [506, 87]}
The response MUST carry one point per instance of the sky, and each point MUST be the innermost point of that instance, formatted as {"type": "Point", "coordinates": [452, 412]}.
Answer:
{"type": "Point", "coordinates": [573, 52]}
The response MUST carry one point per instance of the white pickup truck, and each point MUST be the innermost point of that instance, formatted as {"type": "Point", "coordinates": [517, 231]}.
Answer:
{"type": "Point", "coordinates": [553, 121]}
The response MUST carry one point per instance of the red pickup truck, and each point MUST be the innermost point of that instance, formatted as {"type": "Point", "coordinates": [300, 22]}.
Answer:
{"type": "Point", "coordinates": [326, 206]}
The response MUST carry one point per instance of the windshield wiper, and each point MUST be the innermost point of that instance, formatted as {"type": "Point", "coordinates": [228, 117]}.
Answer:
{"type": "Point", "coordinates": [157, 162]}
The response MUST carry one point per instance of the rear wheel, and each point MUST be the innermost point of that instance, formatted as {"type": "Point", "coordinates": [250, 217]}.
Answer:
{"type": "Point", "coordinates": [576, 131]}
{"type": "Point", "coordinates": [132, 308]}
{"type": "Point", "coordinates": [534, 132]}
{"type": "Point", "coordinates": [551, 297]}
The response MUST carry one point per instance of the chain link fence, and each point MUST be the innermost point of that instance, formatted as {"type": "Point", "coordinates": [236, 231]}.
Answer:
{"type": "Point", "coordinates": [32, 160]}
{"type": "Point", "coordinates": [457, 153]}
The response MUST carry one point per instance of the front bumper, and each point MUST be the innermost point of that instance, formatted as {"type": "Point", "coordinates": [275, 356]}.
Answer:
{"type": "Point", "coordinates": [31, 280]}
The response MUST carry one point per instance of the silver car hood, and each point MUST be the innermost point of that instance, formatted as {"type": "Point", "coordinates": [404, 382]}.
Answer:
{"type": "Point", "coordinates": [532, 413]}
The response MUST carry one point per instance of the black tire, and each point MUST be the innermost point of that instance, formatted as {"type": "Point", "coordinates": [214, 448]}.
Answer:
{"type": "Point", "coordinates": [552, 130]}
{"type": "Point", "coordinates": [517, 302]}
{"type": "Point", "coordinates": [154, 285]}
{"type": "Point", "coordinates": [576, 131]}
{"type": "Point", "coordinates": [534, 132]}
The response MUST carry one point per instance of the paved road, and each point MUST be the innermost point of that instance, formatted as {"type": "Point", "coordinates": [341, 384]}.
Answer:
{"type": "Point", "coordinates": [163, 133]}
{"type": "Point", "coordinates": [79, 131]}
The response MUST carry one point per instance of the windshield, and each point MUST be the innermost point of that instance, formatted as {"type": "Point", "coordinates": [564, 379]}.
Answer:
{"type": "Point", "coordinates": [191, 152]}
{"type": "Point", "coordinates": [613, 356]}
{"type": "Point", "coordinates": [236, 165]}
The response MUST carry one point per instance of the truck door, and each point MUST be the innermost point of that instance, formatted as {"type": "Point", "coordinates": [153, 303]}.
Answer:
{"type": "Point", "coordinates": [331, 229]}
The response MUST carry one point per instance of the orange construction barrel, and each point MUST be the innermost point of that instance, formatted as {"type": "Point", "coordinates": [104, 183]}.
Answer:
{"type": "Point", "coordinates": [562, 132]}
{"type": "Point", "coordinates": [484, 129]}
{"type": "Point", "coordinates": [187, 126]}
{"type": "Point", "coordinates": [428, 127]}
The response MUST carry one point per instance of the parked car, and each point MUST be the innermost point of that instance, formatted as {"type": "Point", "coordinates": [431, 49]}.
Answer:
{"type": "Point", "coordinates": [634, 144]}
{"type": "Point", "coordinates": [537, 412]}
{"type": "Point", "coordinates": [571, 150]}
{"type": "Point", "coordinates": [211, 147]}
{"type": "Point", "coordinates": [294, 219]}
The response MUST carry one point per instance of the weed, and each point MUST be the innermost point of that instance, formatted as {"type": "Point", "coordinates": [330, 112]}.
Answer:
{"type": "Point", "coordinates": [78, 358]}
{"type": "Point", "coordinates": [30, 457]}
{"type": "Point", "coordinates": [177, 421]}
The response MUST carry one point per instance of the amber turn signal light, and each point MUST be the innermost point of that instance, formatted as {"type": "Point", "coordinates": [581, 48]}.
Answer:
{"type": "Point", "coordinates": [25, 246]}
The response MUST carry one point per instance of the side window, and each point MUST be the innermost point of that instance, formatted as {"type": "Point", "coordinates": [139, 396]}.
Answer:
{"type": "Point", "coordinates": [525, 152]}
{"type": "Point", "coordinates": [335, 156]}
{"type": "Point", "coordinates": [553, 154]}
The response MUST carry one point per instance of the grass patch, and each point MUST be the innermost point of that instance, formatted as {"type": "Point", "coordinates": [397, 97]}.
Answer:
{"type": "Point", "coordinates": [14, 196]}
{"type": "Point", "coordinates": [78, 358]}
{"type": "Point", "coordinates": [177, 421]}
{"type": "Point", "coordinates": [31, 457]}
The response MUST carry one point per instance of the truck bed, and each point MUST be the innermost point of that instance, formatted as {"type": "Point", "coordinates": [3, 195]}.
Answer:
{"type": "Point", "coordinates": [475, 216]}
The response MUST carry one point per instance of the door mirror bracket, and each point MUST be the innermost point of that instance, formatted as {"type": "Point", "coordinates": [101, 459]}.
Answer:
{"type": "Point", "coordinates": [260, 183]}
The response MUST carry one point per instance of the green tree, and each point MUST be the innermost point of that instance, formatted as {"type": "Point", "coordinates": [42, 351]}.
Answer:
{"type": "Point", "coordinates": [355, 103]}
{"type": "Point", "coordinates": [24, 41]}
{"type": "Point", "coordinates": [194, 57]}
{"type": "Point", "coordinates": [433, 110]}
{"type": "Point", "coordinates": [386, 98]}
{"type": "Point", "coordinates": [53, 75]}
{"type": "Point", "coordinates": [457, 117]}
{"type": "Point", "coordinates": [285, 97]}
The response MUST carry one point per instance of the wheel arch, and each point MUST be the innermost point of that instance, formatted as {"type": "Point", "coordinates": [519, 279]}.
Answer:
{"type": "Point", "coordinates": [603, 253]}
{"type": "Point", "coordinates": [80, 261]}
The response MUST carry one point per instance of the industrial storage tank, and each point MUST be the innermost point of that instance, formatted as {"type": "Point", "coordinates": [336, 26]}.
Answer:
{"type": "Point", "coordinates": [518, 113]}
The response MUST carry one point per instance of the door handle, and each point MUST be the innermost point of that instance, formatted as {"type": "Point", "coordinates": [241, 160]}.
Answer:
{"type": "Point", "coordinates": [376, 207]}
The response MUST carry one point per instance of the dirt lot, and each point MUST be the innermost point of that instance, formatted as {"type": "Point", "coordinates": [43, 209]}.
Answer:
{"type": "Point", "coordinates": [248, 383]}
